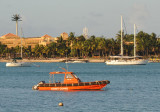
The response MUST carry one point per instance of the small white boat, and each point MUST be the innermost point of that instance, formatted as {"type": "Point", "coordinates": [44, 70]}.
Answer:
{"type": "Point", "coordinates": [75, 61]}
{"type": "Point", "coordinates": [14, 63]}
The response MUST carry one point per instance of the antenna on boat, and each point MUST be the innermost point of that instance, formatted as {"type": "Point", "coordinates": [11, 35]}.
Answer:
{"type": "Point", "coordinates": [66, 63]}
{"type": "Point", "coordinates": [64, 69]}
{"type": "Point", "coordinates": [67, 66]}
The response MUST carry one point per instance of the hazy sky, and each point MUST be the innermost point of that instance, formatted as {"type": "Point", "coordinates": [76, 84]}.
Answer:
{"type": "Point", "coordinates": [101, 17]}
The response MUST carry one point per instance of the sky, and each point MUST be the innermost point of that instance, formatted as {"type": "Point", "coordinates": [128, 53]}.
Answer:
{"type": "Point", "coordinates": [101, 17]}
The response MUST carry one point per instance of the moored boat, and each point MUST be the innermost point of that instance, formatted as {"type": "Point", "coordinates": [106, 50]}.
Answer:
{"type": "Point", "coordinates": [127, 60]}
{"type": "Point", "coordinates": [14, 63]}
{"type": "Point", "coordinates": [75, 61]}
{"type": "Point", "coordinates": [71, 82]}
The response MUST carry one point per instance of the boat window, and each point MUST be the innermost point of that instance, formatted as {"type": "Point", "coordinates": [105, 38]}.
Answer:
{"type": "Point", "coordinates": [75, 76]}
{"type": "Point", "coordinates": [69, 76]}
{"type": "Point", "coordinates": [14, 61]}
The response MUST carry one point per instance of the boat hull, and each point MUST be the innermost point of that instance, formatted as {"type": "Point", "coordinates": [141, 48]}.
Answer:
{"type": "Point", "coordinates": [97, 85]}
{"type": "Point", "coordinates": [93, 87]}
{"type": "Point", "coordinates": [18, 64]}
{"type": "Point", "coordinates": [126, 62]}
{"type": "Point", "coordinates": [75, 62]}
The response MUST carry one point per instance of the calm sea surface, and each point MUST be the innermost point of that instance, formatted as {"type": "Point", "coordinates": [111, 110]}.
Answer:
{"type": "Point", "coordinates": [132, 89]}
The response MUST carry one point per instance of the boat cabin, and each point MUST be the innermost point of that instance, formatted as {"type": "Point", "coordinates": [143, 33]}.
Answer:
{"type": "Point", "coordinates": [69, 77]}
{"type": "Point", "coordinates": [14, 61]}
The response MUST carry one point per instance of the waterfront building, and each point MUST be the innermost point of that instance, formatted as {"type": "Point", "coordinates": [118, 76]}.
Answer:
{"type": "Point", "coordinates": [12, 40]}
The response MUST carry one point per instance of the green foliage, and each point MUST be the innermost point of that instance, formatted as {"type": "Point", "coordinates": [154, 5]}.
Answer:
{"type": "Point", "coordinates": [16, 17]}
{"type": "Point", "coordinates": [147, 44]}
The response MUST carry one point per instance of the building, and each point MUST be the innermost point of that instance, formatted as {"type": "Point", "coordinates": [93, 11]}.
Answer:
{"type": "Point", "coordinates": [12, 40]}
{"type": "Point", "coordinates": [46, 39]}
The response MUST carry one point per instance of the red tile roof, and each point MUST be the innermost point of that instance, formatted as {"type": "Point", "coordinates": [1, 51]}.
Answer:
{"type": "Point", "coordinates": [46, 36]}
{"type": "Point", "coordinates": [10, 35]}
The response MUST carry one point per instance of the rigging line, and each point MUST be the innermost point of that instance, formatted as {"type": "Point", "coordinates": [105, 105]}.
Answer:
{"type": "Point", "coordinates": [67, 66]}
{"type": "Point", "coordinates": [137, 29]}
{"type": "Point", "coordinates": [58, 65]}
{"type": "Point", "coordinates": [22, 33]}
{"type": "Point", "coordinates": [124, 26]}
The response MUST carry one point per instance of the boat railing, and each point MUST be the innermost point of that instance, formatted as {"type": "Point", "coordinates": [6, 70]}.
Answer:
{"type": "Point", "coordinates": [74, 84]}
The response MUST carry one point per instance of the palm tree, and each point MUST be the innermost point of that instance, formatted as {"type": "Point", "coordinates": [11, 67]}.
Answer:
{"type": "Point", "coordinates": [61, 47]}
{"type": "Point", "coordinates": [38, 50]}
{"type": "Point", "coordinates": [110, 46]}
{"type": "Point", "coordinates": [16, 18]}
{"type": "Point", "coordinates": [143, 43]}
{"type": "Point", "coordinates": [86, 48]}
{"type": "Point", "coordinates": [71, 40]}
{"type": "Point", "coordinates": [101, 46]}
{"type": "Point", "coordinates": [52, 49]}
{"type": "Point", "coordinates": [153, 43]}
{"type": "Point", "coordinates": [79, 45]}
{"type": "Point", "coordinates": [2, 49]}
{"type": "Point", "coordinates": [158, 47]}
{"type": "Point", "coordinates": [92, 45]}
{"type": "Point", "coordinates": [73, 47]}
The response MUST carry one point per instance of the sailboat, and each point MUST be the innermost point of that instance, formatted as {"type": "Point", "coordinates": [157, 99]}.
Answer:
{"type": "Point", "coordinates": [126, 60]}
{"type": "Point", "coordinates": [15, 63]}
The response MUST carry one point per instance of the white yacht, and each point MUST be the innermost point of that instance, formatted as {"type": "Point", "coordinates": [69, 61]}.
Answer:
{"type": "Point", "coordinates": [126, 60]}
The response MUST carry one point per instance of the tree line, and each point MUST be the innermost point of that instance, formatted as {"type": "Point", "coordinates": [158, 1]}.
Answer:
{"type": "Point", "coordinates": [77, 46]}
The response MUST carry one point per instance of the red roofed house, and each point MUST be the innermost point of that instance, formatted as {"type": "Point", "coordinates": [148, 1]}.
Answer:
{"type": "Point", "coordinates": [46, 39]}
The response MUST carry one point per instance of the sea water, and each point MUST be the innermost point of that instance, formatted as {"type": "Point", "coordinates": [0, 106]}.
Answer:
{"type": "Point", "coordinates": [131, 89]}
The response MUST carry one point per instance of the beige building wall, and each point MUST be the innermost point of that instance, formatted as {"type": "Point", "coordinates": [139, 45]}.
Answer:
{"type": "Point", "coordinates": [11, 40]}
{"type": "Point", "coordinates": [64, 35]}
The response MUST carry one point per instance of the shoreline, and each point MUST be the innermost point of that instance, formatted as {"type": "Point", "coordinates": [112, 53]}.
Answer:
{"type": "Point", "coordinates": [54, 60]}
{"type": "Point", "coordinates": [91, 60]}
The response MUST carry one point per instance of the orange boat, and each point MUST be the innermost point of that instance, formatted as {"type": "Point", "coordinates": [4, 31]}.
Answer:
{"type": "Point", "coordinates": [71, 82]}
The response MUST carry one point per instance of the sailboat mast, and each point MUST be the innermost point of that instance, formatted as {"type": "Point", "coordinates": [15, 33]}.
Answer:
{"type": "Point", "coordinates": [134, 40]}
{"type": "Point", "coordinates": [21, 44]}
{"type": "Point", "coordinates": [21, 48]}
{"type": "Point", "coordinates": [121, 36]}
